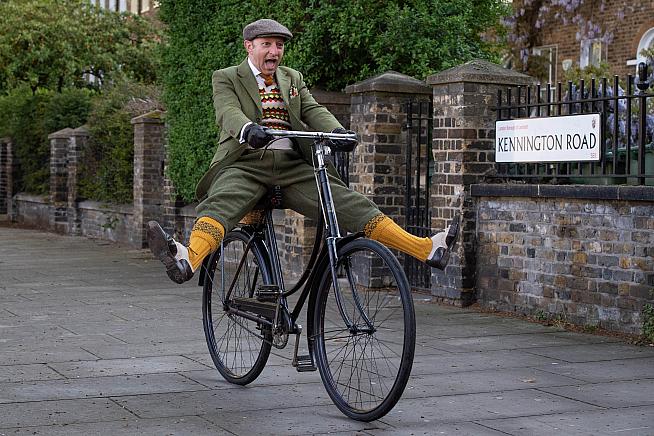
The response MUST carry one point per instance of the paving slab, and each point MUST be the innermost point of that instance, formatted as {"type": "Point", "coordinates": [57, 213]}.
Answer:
{"type": "Point", "coordinates": [476, 360]}
{"type": "Point", "coordinates": [60, 412]}
{"type": "Point", "coordinates": [455, 408]}
{"type": "Point", "coordinates": [22, 373]}
{"type": "Point", "coordinates": [606, 371]}
{"type": "Point", "coordinates": [235, 399]}
{"type": "Point", "coordinates": [132, 366]}
{"type": "Point", "coordinates": [632, 421]}
{"type": "Point", "coordinates": [610, 395]}
{"type": "Point", "coordinates": [187, 425]}
{"type": "Point", "coordinates": [439, 429]}
{"type": "Point", "coordinates": [96, 387]}
{"type": "Point", "coordinates": [286, 422]}
{"type": "Point", "coordinates": [593, 352]}
{"type": "Point", "coordinates": [494, 380]}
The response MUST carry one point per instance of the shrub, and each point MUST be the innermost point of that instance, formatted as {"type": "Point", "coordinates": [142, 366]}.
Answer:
{"type": "Point", "coordinates": [107, 168]}
{"type": "Point", "coordinates": [28, 118]}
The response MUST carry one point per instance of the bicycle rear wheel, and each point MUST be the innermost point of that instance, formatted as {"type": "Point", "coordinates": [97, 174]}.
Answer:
{"type": "Point", "coordinates": [365, 342]}
{"type": "Point", "coordinates": [239, 347]}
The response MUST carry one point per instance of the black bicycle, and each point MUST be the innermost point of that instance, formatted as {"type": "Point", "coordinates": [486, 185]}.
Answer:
{"type": "Point", "coordinates": [360, 318]}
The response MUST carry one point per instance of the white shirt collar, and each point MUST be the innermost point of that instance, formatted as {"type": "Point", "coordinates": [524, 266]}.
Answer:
{"type": "Point", "coordinates": [254, 69]}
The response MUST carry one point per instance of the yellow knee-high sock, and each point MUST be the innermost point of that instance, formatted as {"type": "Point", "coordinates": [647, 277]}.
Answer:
{"type": "Point", "coordinates": [383, 229]}
{"type": "Point", "coordinates": [205, 238]}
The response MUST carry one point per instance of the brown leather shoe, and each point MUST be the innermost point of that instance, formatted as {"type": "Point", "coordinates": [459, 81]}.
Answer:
{"type": "Point", "coordinates": [164, 248]}
{"type": "Point", "coordinates": [441, 255]}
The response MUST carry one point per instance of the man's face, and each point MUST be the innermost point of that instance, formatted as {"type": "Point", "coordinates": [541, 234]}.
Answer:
{"type": "Point", "coordinates": [265, 53]}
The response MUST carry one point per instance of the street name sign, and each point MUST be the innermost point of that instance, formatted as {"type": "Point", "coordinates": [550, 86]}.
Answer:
{"type": "Point", "coordinates": [569, 138]}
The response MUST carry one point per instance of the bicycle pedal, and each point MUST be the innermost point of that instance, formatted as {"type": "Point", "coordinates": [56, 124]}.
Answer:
{"type": "Point", "coordinates": [305, 364]}
{"type": "Point", "coordinates": [268, 293]}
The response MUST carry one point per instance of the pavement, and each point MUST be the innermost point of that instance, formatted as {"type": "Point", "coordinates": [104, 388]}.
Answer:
{"type": "Point", "coordinates": [94, 339]}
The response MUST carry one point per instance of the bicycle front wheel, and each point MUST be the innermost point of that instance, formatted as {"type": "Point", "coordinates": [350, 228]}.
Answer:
{"type": "Point", "coordinates": [239, 347]}
{"type": "Point", "coordinates": [365, 331]}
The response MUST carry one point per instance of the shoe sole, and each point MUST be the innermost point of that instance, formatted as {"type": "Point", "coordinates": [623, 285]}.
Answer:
{"type": "Point", "coordinates": [450, 239]}
{"type": "Point", "coordinates": [158, 243]}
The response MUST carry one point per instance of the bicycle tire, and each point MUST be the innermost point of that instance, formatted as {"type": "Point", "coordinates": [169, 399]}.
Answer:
{"type": "Point", "coordinates": [360, 385]}
{"type": "Point", "coordinates": [238, 353]}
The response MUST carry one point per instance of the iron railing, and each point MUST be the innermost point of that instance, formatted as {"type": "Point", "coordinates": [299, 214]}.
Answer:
{"type": "Point", "coordinates": [419, 169]}
{"type": "Point", "coordinates": [627, 130]}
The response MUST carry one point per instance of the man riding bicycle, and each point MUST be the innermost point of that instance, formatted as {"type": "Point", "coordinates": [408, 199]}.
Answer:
{"type": "Point", "coordinates": [250, 98]}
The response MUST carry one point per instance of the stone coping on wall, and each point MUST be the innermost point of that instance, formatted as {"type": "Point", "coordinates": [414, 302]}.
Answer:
{"type": "Point", "coordinates": [480, 71]}
{"type": "Point", "coordinates": [390, 81]}
{"type": "Point", "coordinates": [595, 192]}
{"type": "Point", "coordinates": [32, 198]}
{"type": "Point", "coordinates": [126, 209]}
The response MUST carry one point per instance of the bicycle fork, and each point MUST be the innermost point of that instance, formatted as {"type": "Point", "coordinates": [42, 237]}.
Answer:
{"type": "Point", "coordinates": [333, 235]}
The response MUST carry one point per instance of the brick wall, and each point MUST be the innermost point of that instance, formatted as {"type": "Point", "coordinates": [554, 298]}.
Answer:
{"type": "Point", "coordinates": [32, 211]}
{"type": "Point", "coordinates": [107, 222]}
{"type": "Point", "coordinates": [586, 261]}
{"type": "Point", "coordinates": [627, 32]}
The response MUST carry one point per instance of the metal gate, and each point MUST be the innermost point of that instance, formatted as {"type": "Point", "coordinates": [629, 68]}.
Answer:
{"type": "Point", "coordinates": [419, 169]}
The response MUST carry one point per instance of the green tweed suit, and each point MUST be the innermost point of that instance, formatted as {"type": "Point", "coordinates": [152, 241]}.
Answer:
{"type": "Point", "coordinates": [239, 176]}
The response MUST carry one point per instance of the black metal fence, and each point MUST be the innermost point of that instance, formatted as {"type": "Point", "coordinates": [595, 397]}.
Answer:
{"type": "Point", "coordinates": [419, 168]}
{"type": "Point", "coordinates": [627, 130]}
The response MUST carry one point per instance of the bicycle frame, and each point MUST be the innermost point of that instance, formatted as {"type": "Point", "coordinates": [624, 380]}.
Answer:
{"type": "Point", "coordinates": [333, 239]}
{"type": "Point", "coordinates": [322, 256]}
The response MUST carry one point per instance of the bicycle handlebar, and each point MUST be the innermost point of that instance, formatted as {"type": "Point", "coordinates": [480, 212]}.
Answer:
{"type": "Point", "coordinates": [311, 135]}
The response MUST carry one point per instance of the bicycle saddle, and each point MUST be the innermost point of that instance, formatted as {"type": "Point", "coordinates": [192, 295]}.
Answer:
{"type": "Point", "coordinates": [272, 200]}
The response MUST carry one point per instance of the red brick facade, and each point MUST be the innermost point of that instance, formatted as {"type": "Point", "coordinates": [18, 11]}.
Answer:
{"type": "Point", "coordinates": [628, 21]}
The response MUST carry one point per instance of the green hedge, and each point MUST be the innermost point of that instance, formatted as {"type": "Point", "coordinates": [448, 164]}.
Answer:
{"type": "Point", "coordinates": [28, 118]}
{"type": "Point", "coordinates": [335, 43]}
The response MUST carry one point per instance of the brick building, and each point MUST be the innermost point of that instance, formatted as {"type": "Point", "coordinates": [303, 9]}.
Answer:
{"type": "Point", "coordinates": [138, 7]}
{"type": "Point", "coordinates": [629, 25]}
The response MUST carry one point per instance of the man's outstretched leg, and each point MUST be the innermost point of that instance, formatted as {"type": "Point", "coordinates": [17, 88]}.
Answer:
{"type": "Point", "coordinates": [434, 251]}
{"type": "Point", "coordinates": [180, 261]}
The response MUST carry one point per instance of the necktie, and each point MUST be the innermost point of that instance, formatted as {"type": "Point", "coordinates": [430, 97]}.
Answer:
{"type": "Point", "coordinates": [267, 79]}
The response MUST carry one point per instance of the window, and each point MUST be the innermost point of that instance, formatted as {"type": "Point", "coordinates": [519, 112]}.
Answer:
{"type": "Point", "coordinates": [646, 41]}
{"type": "Point", "coordinates": [593, 52]}
{"type": "Point", "coordinates": [547, 62]}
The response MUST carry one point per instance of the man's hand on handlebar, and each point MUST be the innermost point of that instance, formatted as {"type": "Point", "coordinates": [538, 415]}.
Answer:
{"type": "Point", "coordinates": [256, 136]}
{"type": "Point", "coordinates": [343, 144]}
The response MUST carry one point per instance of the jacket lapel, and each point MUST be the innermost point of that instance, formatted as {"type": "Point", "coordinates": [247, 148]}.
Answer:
{"type": "Point", "coordinates": [284, 83]}
{"type": "Point", "coordinates": [249, 82]}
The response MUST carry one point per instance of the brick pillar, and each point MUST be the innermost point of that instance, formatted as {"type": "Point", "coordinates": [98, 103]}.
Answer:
{"type": "Point", "coordinates": [170, 204]}
{"type": "Point", "coordinates": [377, 169]}
{"type": "Point", "coordinates": [149, 155]}
{"type": "Point", "coordinates": [463, 149]}
{"type": "Point", "coordinates": [78, 141]}
{"type": "Point", "coordinates": [5, 176]}
{"type": "Point", "coordinates": [59, 179]}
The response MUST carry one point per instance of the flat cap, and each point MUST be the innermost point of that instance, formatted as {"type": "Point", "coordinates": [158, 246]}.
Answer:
{"type": "Point", "coordinates": [265, 27]}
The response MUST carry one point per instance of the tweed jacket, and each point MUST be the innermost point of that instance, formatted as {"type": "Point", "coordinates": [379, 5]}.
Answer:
{"type": "Point", "coordinates": [236, 101]}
